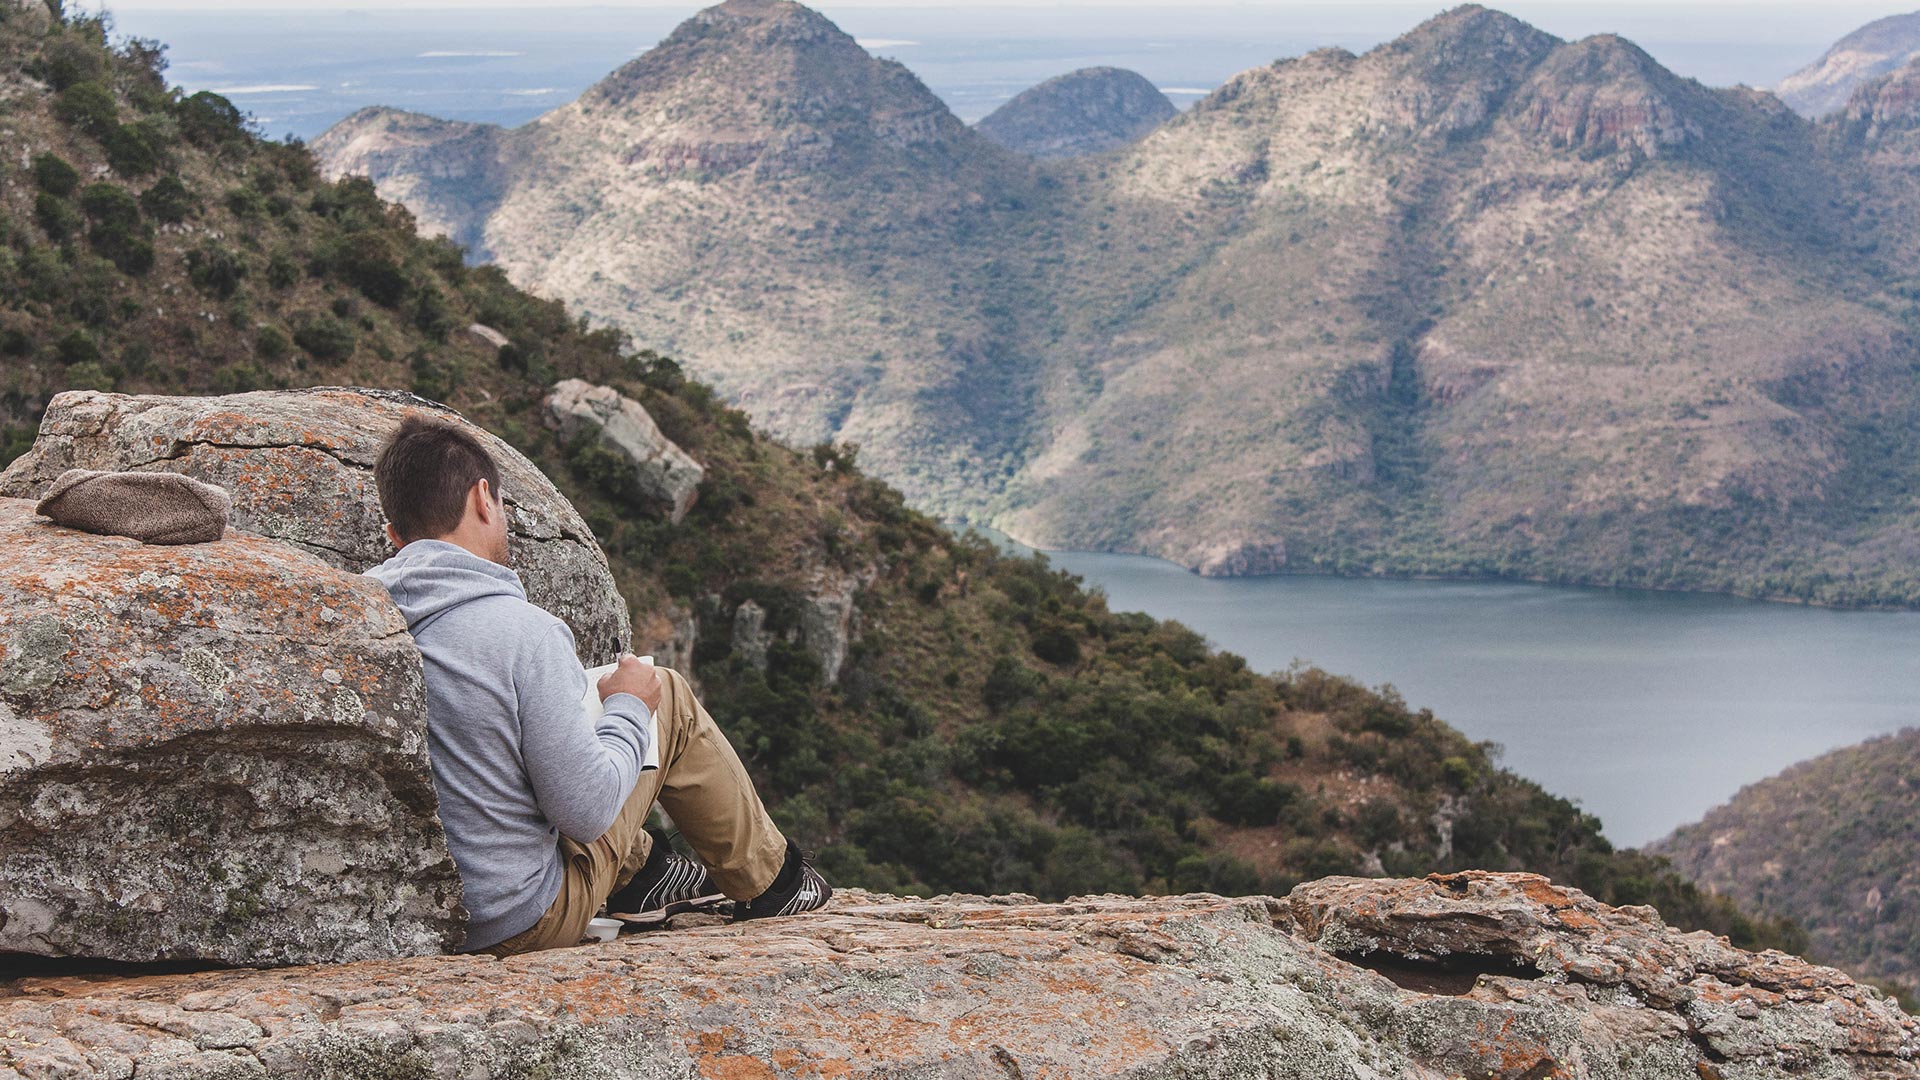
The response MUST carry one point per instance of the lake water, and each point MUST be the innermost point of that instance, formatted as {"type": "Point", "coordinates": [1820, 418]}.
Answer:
{"type": "Point", "coordinates": [1646, 708]}
{"type": "Point", "coordinates": [299, 71]}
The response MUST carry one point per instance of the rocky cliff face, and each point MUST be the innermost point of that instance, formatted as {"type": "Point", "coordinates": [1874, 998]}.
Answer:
{"type": "Point", "coordinates": [1089, 111]}
{"type": "Point", "coordinates": [1475, 975]}
{"type": "Point", "coordinates": [1479, 301]}
{"type": "Point", "coordinates": [299, 465]}
{"type": "Point", "coordinates": [210, 752]}
{"type": "Point", "coordinates": [1824, 86]}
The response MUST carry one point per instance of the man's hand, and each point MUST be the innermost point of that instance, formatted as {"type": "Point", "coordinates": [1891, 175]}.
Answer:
{"type": "Point", "coordinates": [633, 676]}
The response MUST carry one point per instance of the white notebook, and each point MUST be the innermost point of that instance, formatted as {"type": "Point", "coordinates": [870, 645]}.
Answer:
{"type": "Point", "coordinates": [595, 710]}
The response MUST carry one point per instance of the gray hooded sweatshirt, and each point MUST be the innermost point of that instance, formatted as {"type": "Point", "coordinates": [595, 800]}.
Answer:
{"type": "Point", "coordinates": [516, 763]}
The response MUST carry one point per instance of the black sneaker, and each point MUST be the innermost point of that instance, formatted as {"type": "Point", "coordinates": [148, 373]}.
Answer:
{"type": "Point", "coordinates": [668, 885]}
{"type": "Point", "coordinates": [798, 888]}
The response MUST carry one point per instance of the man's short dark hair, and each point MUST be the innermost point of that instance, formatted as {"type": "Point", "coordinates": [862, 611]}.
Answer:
{"type": "Point", "coordinates": [424, 474]}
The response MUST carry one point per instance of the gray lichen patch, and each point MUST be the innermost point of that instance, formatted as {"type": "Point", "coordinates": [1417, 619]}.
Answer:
{"type": "Point", "coordinates": [36, 655]}
{"type": "Point", "coordinates": [208, 671]}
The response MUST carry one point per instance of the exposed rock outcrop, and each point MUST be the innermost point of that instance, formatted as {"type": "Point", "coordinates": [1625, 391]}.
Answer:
{"type": "Point", "coordinates": [750, 638]}
{"type": "Point", "coordinates": [1883, 107]}
{"type": "Point", "coordinates": [1089, 111]}
{"type": "Point", "coordinates": [1241, 558]}
{"type": "Point", "coordinates": [1476, 975]}
{"type": "Point", "coordinates": [211, 752]}
{"type": "Point", "coordinates": [299, 464]}
{"type": "Point", "coordinates": [661, 472]}
{"type": "Point", "coordinates": [1605, 94]}
{"type": "Point", "coordinates": [828, 620]}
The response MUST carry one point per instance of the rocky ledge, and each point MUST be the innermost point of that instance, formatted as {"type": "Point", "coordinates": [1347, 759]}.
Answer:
{"type": "Point", "coordinates": [1465, 975]}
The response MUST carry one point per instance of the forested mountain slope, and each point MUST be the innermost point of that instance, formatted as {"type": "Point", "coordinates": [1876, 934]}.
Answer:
{"type": "Point", "coordinates": [990, 725]}
{"type": "Point", "coordinates": [1829, 842]}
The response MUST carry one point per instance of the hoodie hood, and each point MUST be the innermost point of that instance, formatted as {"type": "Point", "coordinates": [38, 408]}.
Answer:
{"type": "Point", "coordinates": [429, 578]}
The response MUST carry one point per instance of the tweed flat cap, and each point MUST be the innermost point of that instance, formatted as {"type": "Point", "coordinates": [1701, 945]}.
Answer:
{"type": "Point", "coordinates": [151, 507]}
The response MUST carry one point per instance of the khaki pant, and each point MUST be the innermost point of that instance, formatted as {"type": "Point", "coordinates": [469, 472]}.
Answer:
{"type": "Point", "coordinates": [703, 786]}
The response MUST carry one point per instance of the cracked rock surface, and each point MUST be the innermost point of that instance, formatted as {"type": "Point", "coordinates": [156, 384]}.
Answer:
{"type": "Point", "coordinates": [1504, 981]}
{"type": "Point", "coordinates": [210, 752]}
{"type": "Point", "coordinates": [299, 465]}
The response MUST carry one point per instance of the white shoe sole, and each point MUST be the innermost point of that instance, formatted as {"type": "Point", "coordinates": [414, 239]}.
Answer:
{"type": "Point", "coordinates": [678, 907]}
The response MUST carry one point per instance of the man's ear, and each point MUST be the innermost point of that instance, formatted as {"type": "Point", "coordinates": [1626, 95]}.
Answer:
{"type": "Point", "coordinates": [394, 538]}
{"type": "Point", "coordinates": [480, 497]}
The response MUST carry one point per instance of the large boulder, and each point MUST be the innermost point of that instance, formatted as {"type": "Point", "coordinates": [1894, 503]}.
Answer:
{"type": "Point", "coordinates": [654, 467]}
{"type": "Point", "coordinates": [299, 464]}
{"type": "Point", "coordinates": [210, 752]}
{"type": "Point", "coordinates": [1505, 977]}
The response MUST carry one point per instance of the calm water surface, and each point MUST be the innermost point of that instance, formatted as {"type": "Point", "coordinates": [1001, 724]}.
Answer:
{"type": "Point", "coordinates": [1645, 708]}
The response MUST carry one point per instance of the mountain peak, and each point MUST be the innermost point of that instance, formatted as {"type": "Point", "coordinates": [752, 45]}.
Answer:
{"type": "Point", "coordinates": [1450, 73]}
{"type": "Point", "coordinates": [736, 46]}
{"type": "Point", "coordinates": [1471, 36]}
{"type": "Point", "coordinates": [767, 84]}
{"type": "Point", "coordinates": [1082, 112]}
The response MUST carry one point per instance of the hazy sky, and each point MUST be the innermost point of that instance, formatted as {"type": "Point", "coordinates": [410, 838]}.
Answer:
{"type": "Point", "coordinates": [1854, 9]}
{"type": "Point", "coordinates": [1802, 23]}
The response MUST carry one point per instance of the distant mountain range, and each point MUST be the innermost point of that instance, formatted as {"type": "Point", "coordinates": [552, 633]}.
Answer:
{"type": "Point", "coordinates": [1830, 843]}
{"type": "Point", "coordinates": [1878, 48]}
{"type": "Point", "coordinates": [1478, 302]}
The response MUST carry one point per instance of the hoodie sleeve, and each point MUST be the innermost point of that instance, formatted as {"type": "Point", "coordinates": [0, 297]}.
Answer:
{"type": "Point", "coordinates": [582, 772]}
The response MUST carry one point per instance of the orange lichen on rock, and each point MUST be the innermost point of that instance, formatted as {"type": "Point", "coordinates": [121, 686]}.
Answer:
{"type": "Point", "coordinates": [969, 986]}
{"type": "Point", "coordinates": [197, 743]}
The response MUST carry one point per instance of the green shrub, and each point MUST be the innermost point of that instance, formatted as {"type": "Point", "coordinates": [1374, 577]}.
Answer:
{"type": "Point", "coordinates": [432, 315]}
{"type": "Point", "coordinates": [283, 270]}
{"type": "Point", "coordinates": [1009, 682]}
{"type": "Point", "coordinates": [88, 375]}
{"type": "Point", "coordinates": [1243, 799]}
{"type": "Point", "coordinates": [134, 149]}
{"type": "Point", "coordinates": [118, 232]}
{"type": "Point", "coordinates": [369, 262]}
{"type": "Point", "coordinates": [1056, 643]}
{"type": "Point", "coordinates": [238, 378]}
{"type": "Point", "coordinates": [110, 204]}
{"type": "Point", "coordinates": [271, 343]}
{"type": "Point", "coordinates": [325, 338]}
{"type": "Point", "coordinates": [57, 217]}
{"type": "Point", "coordinates": [168, 201]}
{"type": "Point", "coordinates": [55, 176]}
{"type": "Point", "coordinates": [88, 107]}
{"type": "Point", "coordinates": [244, 202]}
{"type": "Point", "coordinates": [69, 62]}
{"type": "Point", "coordinates": [78, 347]}
{"type": "Point", "coordinates": [216, 270]}
{"type": "Point", "coordinates": [209, 120]}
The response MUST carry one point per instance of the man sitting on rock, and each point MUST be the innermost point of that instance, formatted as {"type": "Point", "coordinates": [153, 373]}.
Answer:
{"type": "Point", "coordinates": [545, 809]}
